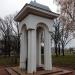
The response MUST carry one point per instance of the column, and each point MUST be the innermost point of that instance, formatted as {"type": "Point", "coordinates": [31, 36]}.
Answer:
{"type": "Point", "coordinates": [31, 51]}
{"type": "Point", "coordinates": [23, 50]}
{"type": "Point", "coordinates": [47, 53]}
{"type": "Point", "coordinates": [39, 49]}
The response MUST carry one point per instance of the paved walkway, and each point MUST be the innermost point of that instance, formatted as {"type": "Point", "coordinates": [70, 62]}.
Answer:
{"type": "Point", "coordinates": [3, 71]}
{"type": "Point", "coordinates": [73, 70]}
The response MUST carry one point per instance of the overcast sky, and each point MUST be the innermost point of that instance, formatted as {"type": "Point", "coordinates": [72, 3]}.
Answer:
{"type": "Point", "coordinates": [11, 6]}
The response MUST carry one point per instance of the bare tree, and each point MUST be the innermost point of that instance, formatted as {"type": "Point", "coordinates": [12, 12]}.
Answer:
{"type": "Point", "coordinates": [10, 33]}
{"type": "Point", "coordinates": [67, 9]}
{"type": "Point", "coordinates": [67, 16]}
{"type": "Point", "coordinates": [56, 36]}
{"type": "Point", "coordinates": [61, 36]}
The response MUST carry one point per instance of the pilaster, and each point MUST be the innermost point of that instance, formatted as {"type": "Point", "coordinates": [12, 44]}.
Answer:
{"type": "Point", "coordinates": [31, 51]}
{"type": "Point", "coordinates": [48, 57]}
{"type": "Point", "coordinates": [39, 48]}
{"type": "Point", "coordinates": [23, 50]}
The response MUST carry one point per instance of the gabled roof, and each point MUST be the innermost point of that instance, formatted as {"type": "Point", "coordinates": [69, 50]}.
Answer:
{"type": "Point", "coordinates": [35, 9]}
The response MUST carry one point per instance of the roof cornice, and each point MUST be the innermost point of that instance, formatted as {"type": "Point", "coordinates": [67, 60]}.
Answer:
{"type": "Point", "coordinates": [29, 9]}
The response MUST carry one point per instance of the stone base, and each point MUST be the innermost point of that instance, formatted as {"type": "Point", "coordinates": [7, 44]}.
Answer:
{"type": "Point", "coordinates": [54, 71]}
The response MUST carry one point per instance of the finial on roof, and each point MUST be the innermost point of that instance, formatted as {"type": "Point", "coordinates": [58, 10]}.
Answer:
{"type": "Point", "coordinates": [34, 0]}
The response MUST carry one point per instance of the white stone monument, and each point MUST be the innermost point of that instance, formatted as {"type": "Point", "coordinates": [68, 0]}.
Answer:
{"type": "Point", "coordinates": [34, 19]}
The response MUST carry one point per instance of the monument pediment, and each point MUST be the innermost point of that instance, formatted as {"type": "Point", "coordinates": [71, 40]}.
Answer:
{"type": "Point", "coordinates": [35, 9]}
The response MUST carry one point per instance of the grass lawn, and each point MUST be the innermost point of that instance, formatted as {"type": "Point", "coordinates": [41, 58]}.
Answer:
{"type": "Point", "coordinates": [8, 61]}
{"type": "Point", "coordinates": [61, 61]}
{"type": "Point", "coordinates": [64, 61]}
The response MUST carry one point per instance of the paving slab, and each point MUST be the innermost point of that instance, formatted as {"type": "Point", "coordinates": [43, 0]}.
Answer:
{"type": "Point", "coordinates": [54, 71]}
{"type": "Point", "coordinates": [3, 71]}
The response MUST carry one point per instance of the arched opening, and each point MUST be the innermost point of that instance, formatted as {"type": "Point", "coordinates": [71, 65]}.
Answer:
{"type": "Point", "coordinates": [40, 33]}
{"type": "Point", "coordinates": [23, 47]}
{"type": "Point", "coordinates": [35, 48]}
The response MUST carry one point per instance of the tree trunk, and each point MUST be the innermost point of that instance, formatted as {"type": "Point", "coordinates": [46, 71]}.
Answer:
{"type": "Point", "coordinates": [59, 48]}
{"type": "Point", "coordinates": [56, 49]}
{"type": "Point", "coordinates": [63, 49]}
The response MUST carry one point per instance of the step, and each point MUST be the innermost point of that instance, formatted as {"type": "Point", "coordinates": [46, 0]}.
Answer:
{"type": "Point", "coordinates": [65, 72]}
{"type": "Point", "coordinates": [41, 72]}
{"type": "Point", "coordinates": [11, 71]}
{"type": "Point", "coordinates": [55, 71]}
{"type": "Point", "coordinates": [44, 72]}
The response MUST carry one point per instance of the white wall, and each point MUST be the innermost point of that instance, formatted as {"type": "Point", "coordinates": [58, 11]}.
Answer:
{"type": "Point", "coordinates": [31, 21]}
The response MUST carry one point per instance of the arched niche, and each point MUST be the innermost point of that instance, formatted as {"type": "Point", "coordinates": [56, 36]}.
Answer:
{"type": "Point", "coordinates": [41, 30]}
